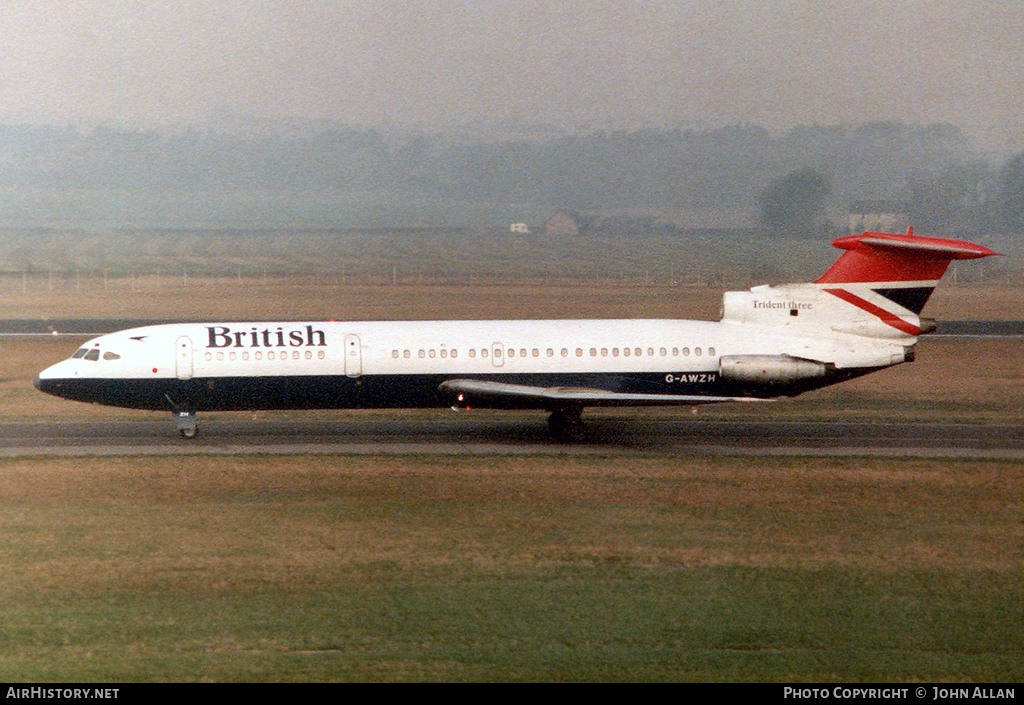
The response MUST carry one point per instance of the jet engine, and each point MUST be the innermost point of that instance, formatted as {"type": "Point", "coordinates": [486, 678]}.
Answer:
{"type": "Point", "coordinates": [769, 369]}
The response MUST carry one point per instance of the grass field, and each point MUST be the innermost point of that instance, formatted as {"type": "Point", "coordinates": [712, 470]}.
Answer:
{"type": "Point", "coordinates": [337, 568]}
{"type": "Point", "coordinates": [340, 297]}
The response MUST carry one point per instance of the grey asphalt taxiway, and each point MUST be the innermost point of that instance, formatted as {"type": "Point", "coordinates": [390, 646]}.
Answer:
{"type": "Point", "coordinates": [444, 433]}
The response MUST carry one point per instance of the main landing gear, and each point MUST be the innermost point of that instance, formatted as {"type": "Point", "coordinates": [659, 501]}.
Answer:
{"type": "Point", "coordinates": [566, 425]}
{"type": "Point", "coordinates": [186, 424]}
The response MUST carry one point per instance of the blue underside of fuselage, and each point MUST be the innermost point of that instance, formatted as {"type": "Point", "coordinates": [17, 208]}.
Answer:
{"type": "Point", "coordinates": [384, 391]}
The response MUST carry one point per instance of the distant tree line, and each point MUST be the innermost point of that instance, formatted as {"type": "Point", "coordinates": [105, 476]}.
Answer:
{"type": "Point", "coordinates": [789, 179]}
{"type": "Point", "coordinates": [795, 203]}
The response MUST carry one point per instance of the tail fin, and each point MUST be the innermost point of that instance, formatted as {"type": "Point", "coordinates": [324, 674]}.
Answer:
{"type": "Point", "coordinates": [904, 269]}
{"type": "Point", "coordinates": [876, 289]}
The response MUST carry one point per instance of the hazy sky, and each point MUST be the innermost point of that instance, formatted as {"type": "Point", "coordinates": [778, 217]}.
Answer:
{"type": "Point", "coordinates": [594, 63]}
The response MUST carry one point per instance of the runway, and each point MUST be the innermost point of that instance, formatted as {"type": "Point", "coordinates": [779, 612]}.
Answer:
{"type": "Point", "coordinates": [444, 433]}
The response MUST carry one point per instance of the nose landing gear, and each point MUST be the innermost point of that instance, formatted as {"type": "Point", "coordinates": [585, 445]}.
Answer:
{"type": "Point", "coordinates": [186, 424]}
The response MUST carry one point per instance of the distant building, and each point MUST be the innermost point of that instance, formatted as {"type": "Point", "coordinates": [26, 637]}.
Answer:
{"type": "Point", "coordinates": [521, 228]}
{"type": "Point", "coordinates": [877, 215]}
{"type": "Point", "coordinates": [569, 223]}
{"type": "Point", "coordinates": [563, 223]}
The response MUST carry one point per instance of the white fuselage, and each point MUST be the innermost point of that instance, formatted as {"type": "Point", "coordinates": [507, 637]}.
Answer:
{"type": "Point", "coordinates": [238, 365]}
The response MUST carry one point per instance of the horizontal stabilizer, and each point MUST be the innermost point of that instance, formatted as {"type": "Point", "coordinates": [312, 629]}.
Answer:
{"type": "Point", "coordinates": [464, 392]}
{"type": "Point", "coordinates": [955, 249]}
{"type": "Point", "coordinates": [885, 257]}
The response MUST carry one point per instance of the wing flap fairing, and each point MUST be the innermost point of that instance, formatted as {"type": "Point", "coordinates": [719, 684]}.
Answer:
{"type": "Point", "coordinates": [502, 394]}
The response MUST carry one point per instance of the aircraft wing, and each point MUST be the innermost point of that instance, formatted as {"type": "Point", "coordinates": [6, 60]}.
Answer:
{"type": "Point", "coordinates": [500, 394]}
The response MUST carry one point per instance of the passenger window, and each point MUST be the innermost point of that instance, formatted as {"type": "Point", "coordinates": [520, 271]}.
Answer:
{"type": "Point", "coordinates": [208, 356]}
{"type": "Point", "coordinates": [455, 353]}
{"type": "Point", "coordinates": [431, 353]}
{"type": "Point", "coordinates": [93, 355]}
{"type": "Point", "coordinates": [593, 352]}
{"type": "Point", "coordinates": [472, 352]}
{"type": "Point", "coordinates": [625, 351]}
{"type": "Point", "coordinates": [686, 352]}
{"type": "Point", "coordinates": [579, 352]}
{"type": "Point", "coordinates": [259, 356]}
{"type": "Point", "coordinates": [483, 352]}
{"type": "Point", "coordinates": [220, 356]}
{"type": "Point", "coordinates": [696, 351]}
{"type": "Point", "coordinates": [406, 354]}
{"type": "Point", "coordinates": [245, 355]}
{"type": "Point", "coordinates": [663, 352]}
{"type": "Point", "coordinates": [231, 356]}
{"type": "Point", "coordinates": [511, 352]}
{"type": "Point", "coordinates": [497, 352]}
{"type": "Point", "coordinates": [536, 352]}
{"type": "Point", "coordinates": [444, 352]}
{"type": "Point", "coordinates": [565, 352]}
{"type": "Point", "coordinates": [295, 355]}
{"type": "Point", "coordinates": [394, 353]}
{"type": "Point", "coordinates": [675, 352]}
{"type": "Point", "coordinates": [550, 352]}
{"type": "Point", "coordinates": [522, 352]}
{"type": "Point", "coordinates": [320, 354]}
{"type": "Point", "coordinates": [604, 352]}
{"type": "Point", "coordinates": [79, 353]}
{"type": "Point", "coordinates": [615, 352]}
{"type": "Point", "coordinates": [711, 352]}
{"type": "Point", "coordinates": [270, 355]}
{"type": "Point", "coordinates": [422, 353]}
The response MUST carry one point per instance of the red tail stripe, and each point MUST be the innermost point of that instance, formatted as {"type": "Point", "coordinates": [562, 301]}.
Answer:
{"type": "Point", "coordinates": [886, 317]}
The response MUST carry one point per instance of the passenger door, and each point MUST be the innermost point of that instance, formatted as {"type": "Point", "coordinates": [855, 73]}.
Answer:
{"type": "Point", "coordinates": [353, 356]}
{"type": "Point", "coordinates": [183, 357]}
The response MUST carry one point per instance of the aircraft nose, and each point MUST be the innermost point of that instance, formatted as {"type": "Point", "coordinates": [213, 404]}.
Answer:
{"type": "Point", "coordinates": [47, 381]}
{"type": "Point", "coordinates": [49, 386]}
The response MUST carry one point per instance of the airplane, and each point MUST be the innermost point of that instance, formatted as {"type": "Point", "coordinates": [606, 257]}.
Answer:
{"type": "Point", "coordinates": [860, 316]}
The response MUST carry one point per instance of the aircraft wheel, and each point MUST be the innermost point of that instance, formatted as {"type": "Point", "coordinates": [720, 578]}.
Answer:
{"type": "Point", "coordinates": [187, 424]}
{"type": "Point", "coordinates": [566, 425]}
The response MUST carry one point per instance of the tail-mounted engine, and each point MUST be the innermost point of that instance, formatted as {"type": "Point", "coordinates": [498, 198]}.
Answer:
{"type": "Point", "coordinates": [769, 369]}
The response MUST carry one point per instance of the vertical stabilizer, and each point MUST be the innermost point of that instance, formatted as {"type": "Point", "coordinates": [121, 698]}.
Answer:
{"type": "Point", "coordinates": [903, 269]}
{"type": "Point", "coordinates": [876, 289]}
{"type": "Point", "coordinates": [887, 278]}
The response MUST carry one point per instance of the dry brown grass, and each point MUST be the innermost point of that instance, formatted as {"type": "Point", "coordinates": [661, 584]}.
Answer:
{"type": "Point", "coordinates": [337, 297]}
{"type": "Point", "coordinates": [332, 297]}
{"type": "Point", "coordinates": [96, 525]}
{"type": "Point", "coordinates": [1003, 302]}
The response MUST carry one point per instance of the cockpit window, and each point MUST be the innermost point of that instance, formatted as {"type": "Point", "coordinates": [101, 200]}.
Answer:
{"type": "Point", "coordinates": [111, 356]}
{"type": "Point", "coordinates": [79, 353]}
{"type": "Point", "coordinates": [93, 354]}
